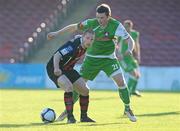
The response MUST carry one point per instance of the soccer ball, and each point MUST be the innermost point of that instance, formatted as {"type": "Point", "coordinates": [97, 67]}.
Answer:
{"type": "Point", "coordinates": [48, 115]}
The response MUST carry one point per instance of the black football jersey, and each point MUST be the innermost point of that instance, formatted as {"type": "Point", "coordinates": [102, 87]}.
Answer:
{"type": "Point", "coordinates": [71, 52]}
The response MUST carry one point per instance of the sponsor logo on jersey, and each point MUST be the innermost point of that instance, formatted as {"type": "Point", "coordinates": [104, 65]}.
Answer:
{"type": "Point", "coordinates": [66, 50]}
{"type": "Point", "coordinates": [106, 34]}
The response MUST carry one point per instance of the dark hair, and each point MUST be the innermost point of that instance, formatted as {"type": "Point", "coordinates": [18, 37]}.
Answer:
{"type": "Point", "coordinates": [104, 8]}
{"type": "Point", "coordinates": [129, 22]}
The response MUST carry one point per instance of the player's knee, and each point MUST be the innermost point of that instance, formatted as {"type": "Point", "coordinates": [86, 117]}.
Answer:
{"type": "Point", "coordinates": [85, 92]}
{"type": "Point", "coordinates": [68, 89]}
{"type": "Point", "coordinates": [135, 74]}
{"type": "Point", "coordinates": [65, 85]}
{"type": "Point", "coordinates": [120, 83]}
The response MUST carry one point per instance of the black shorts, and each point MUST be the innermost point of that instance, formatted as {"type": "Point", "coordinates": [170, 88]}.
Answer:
{"type": "Point", "coordinates": [72, 75]}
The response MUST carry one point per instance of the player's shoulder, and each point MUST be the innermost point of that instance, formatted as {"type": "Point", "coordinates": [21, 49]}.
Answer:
{"type": "Point", "coordinates": [88, 22]}
{"type": "Point", "coordinates": [114, 21]}
{"type": "Point", "coordinates": [66, 48]}
{"type": "Point", "coordinates": [92, 21]}
{"type": "Point", "coordinates": [135, 32]}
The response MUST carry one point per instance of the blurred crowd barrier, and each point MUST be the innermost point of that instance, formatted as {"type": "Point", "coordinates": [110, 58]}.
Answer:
{"type": "Point", "coordinates": [31, 76]}
{"type": "Point", "coordinates": [22, 76]}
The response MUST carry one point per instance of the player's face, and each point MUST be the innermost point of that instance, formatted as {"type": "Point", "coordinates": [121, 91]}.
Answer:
{"type": "Point", "coordinates": [102, 18]}
{"type": "Point", "coordinates": [127, 27]}
{"type": "Point", "coordinates": [88, 39]}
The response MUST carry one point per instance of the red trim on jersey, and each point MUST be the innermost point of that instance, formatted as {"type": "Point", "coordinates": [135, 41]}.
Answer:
{"type": "Point", "coordinates": [80, 51]}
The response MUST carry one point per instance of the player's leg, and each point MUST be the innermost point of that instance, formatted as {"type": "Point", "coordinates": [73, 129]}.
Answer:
{"type": "Point", "coordinates": [89, 70]}
{"type": "Point", "coordinates": [134, 75]}
{"type": "Point", "coordinates": [54, 78]}
{"type": "Point", "coordinates": [75, 96]}
{"type": "Point", "coordinates": [63, 115]}
{"type": "Point", "coordinates": [67, 86]}
{"type": "Point", "coordinates": [129, 65]}
{"type": "Point", "coordinates": [81, 86]}
{"type": "Point", "coordinates": [113, 70]}
{"type": "Point", "coordinates": [124, 95]}
{"type": "Point", "coordinates": [132, 82]}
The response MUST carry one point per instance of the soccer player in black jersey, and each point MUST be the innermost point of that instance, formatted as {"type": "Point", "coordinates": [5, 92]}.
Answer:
{"type": "Point", "coordinates": [60, 71]}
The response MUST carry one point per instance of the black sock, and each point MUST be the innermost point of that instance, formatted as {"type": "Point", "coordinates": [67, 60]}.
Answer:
{"type": "Point", "coordinates": [84, 102]}
{"type": "Point", "coordinates": [68, 101]}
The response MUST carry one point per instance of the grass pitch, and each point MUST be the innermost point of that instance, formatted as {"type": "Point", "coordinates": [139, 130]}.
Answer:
{"type": "Point", "coordinates": [20, 110]}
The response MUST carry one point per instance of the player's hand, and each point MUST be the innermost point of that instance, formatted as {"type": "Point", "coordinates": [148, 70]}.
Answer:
{"type": "Point", "coordinates": [51, 35]}
{"type": "Point", "coordinates": [57, 72]}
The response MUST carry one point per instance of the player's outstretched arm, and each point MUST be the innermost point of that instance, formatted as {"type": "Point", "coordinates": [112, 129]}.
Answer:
{"type": "Point", "coordinates": [70, 29]}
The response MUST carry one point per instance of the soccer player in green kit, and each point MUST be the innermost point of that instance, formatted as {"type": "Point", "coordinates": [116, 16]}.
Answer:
{"type": "Point", "coordinates": [103, 55]}
{"type": "Point", "coordinates": [130, 63]}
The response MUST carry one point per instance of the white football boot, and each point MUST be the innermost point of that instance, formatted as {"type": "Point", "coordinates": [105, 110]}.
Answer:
{"type": "Point", "coordinates": [62, 116]}
{"type": "Point", "coordinates": [130, 115]}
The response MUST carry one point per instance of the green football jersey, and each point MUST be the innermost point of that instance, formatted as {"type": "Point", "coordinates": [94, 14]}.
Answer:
{"type": "Point", "coordinates": [129, 63]}
{"type": "Point", "coordinates": [124, 46]}
{"type": "Point", "coordinates": [103, 45]}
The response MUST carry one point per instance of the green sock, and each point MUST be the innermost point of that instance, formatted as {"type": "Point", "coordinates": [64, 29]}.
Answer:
{"type": "Point", "coordinates": [124, 95]}
{"type": "Point", "coordinates": [75, 96]}
{"type": "Point", "coordinates": [134, 86]}
{"type": "Point", "coordinates": [132, 82]}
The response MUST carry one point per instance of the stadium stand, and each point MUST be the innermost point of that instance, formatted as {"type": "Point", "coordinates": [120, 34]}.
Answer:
{"type": "Point", "coordinates": [158, 23]}
{"type": "Point", "coordinates": [24, 24]}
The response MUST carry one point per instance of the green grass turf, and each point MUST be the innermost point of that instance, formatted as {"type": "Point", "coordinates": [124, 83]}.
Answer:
{"type": "Point", "coordinates": [20, 111]}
